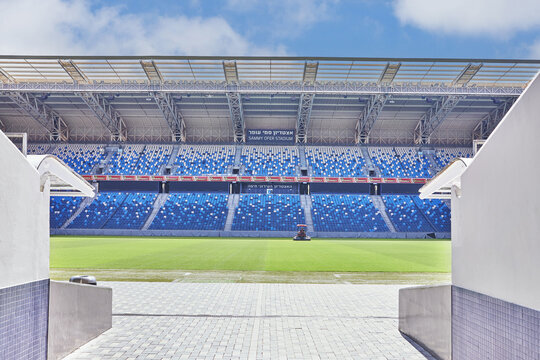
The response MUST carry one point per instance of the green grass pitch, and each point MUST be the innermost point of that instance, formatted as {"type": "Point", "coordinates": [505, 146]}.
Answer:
{"type": "Point", "coordinates": [245, 254]}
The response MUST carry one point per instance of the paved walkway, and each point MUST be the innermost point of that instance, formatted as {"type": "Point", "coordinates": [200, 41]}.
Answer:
{"type": "Point", "coordinates": [251, 321]}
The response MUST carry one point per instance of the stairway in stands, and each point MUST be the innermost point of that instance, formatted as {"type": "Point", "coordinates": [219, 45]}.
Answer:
{"type": "Point", "coordinates": [433, 167]}
{"type": "Point", "coordinates": [303, 161]}
{"type": "Point", "coordinates": [379, 204]}
{"type": "Point", "coordinates": [305, 202]}
{"type": "Point", "coordinates": [161, 199]}
{"type": "Point", "coordinates": [369, 163]}
{"type": "Point", "coordinates": [86, 201]}
{"type": "Point", "coordinates": [104, 164]}
{"type": "Point", "coordinates": [237, 157]}
{"type": "Point", "coordinates": [232, 204]}
{"type": "Point", "coordinates": [172, 159]}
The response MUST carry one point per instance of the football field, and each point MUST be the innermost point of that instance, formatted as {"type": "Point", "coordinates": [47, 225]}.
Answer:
{"type": "Point", "coordinates": [159, 255]}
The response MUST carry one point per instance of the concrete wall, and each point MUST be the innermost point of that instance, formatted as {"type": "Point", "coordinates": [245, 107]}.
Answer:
{"type": "Point", "coordinates": [24, 219]}
{"type": "Point", "coordinates": [77, 314]}
{"type": "Point", "coordinates": [425, 316]}
{"type": "Point", "coordinates": [496, 220]}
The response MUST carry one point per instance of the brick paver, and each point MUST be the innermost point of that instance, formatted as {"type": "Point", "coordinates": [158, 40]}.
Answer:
{"type": "Point", "coordinates": [251, 321]}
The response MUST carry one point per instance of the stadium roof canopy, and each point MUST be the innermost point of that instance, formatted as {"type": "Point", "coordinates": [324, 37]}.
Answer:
{"type": "Point", "coordinates": [214, 99]}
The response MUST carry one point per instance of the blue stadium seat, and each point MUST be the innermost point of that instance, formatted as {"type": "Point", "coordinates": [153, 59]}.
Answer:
{"type": "Point", "coordinates": [404, 214]}
{"type": "Point", "coordinates": [133, 212]}
{"type": "Point", "coordinates": [61, 209]}
{"type": "Point", "coordinates": [99, 211]}
{"type": "Point", "coordinates": [264, 212]}
{"type": "Point", "coordinates": [445, 156]}
{"type": "Point", "coordinates": [123, 161]}
{"type": "Point", "coordinates": [80, 157]}
{"type": "Point", "coordinates": [204, 160]}
{"type": "Point", "coordinates": [152, 159]}
{"type": "Point", "coordinates": [436, 211]}
{"type": "Point", "coordinates": [192, 211]}
{"type": "Point", "coordinates": [270, 160]}
{"type": "Point", "coordinates": [346, 213]}
{"type": "Point", "coordinates": [414, 165]}
{"type": "Point", "coordinates": [341, 161]}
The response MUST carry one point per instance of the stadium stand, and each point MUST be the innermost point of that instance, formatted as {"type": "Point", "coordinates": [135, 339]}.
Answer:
{"type": "Point", "coordinates": [270, 160]}
{"type": "Point", "coordinates": [37, 149]}
{"type": "Point", "coordinates": [436, 211]}
{"type": "Point", "coordinates": [133, 212]}
{"type": "Point", "coordinates": [62, 208]}
{"type": "Point", "coordinates": [124, 161]}
{"type": "Point", "coordinates": [346, 213]}
{"type": "Point", "coordinates": [204, 160]}
{"type": "Point", "coordinates": [192, 211]}
{"type": "Point", "coordinates": [404, 214]}
{"type": "Point", "coordinates": [335, 161]}
{"type": "Point", "coordinates": [277, 212]}
{"type": "Point", "coordinates": [254, 212]}
{"type": "Point", "coordinates": [152, 159]}
{"type": "Point", "coordinates": [444, 156]}
{"type": "Point", "coordinates": [80, 157]}
{"type": "Point", "coordinates": [412, 163]}
{"type": "Point", "coordinates": [386, 159]}
{"type": "Point", "coordinates": [95, 215]}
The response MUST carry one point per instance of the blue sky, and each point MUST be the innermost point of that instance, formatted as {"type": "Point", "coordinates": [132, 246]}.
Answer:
{"type": "Point", "coordinates": [370, 28]}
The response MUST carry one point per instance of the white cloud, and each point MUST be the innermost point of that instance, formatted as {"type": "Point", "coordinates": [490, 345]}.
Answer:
{"type": "Point", "coordinates": [494, 18]}
{"type": "Point", "coordinates": [72, 27]}
{"type": "Point", "coordinates": [287, 17]}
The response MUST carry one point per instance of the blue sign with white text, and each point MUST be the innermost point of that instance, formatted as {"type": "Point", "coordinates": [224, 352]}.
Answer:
{"type": "Point", "coordinates": [260, 136]}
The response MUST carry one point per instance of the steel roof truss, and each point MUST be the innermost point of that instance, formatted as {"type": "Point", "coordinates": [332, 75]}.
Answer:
{"type": "Point", "coordinates": [486, 126]}
{"type": "Point", "coordinates": [369, 116]}
{"type": "Point", "coordinates": [237, 116]}
{"type": "Point", "coordinates": [106, 114]}
{"type": "Point", "coordinates": [431, 120]}
{"type": "Point", "coordinates": [304, 116]}
{"type": "Point", "coordinates": [43, 114]}
{"type": "Point", "coordinates": [172, 115]}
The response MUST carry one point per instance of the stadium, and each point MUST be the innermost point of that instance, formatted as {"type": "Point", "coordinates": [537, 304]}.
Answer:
{"type": "Point", "coordinates": [202, 169]}
{"type": "Point", "coordinates": [174, 145]}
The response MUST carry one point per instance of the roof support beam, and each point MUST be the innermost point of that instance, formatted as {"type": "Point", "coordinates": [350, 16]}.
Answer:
{"type": "Point", "coordinates": [106, 114]}
{"type": "Point", "coordinates": [266, 87]}
{"type": "Point", "coordinates": [467, 74]}
{"type": "Point", "coordinates": [431, 120]}
{"type": "Point", "coordinates": [369, 116]}
{"type": "Point", "coordinates": [234, 100]}
{"type": "Point", "coordinates": [172, 115]}
{"type": "Point", "coordinates": [43, 114]}
{"type": "Point", "coordinates": [486, 126]}
{"type": "Point", "coordinates": [231, 72]}
{"type": "Point", "coordinates": [237, 116]}
{"type": "Point", "coordinates": [73, 71]}
{"type": "Point", "coordinates": [304, 115]}
{"type": "Point", "coordinates": [305, 104]}
{"type": "Point", "coordinates": [152, 72]}
{"type": "Point", "coordinates": [5, 77]}
{"type": "Point", "coordinates": [389, 73]}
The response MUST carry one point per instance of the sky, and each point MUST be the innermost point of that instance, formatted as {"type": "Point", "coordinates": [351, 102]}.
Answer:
{"type": "Point", "coordinates": [353, 28]}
